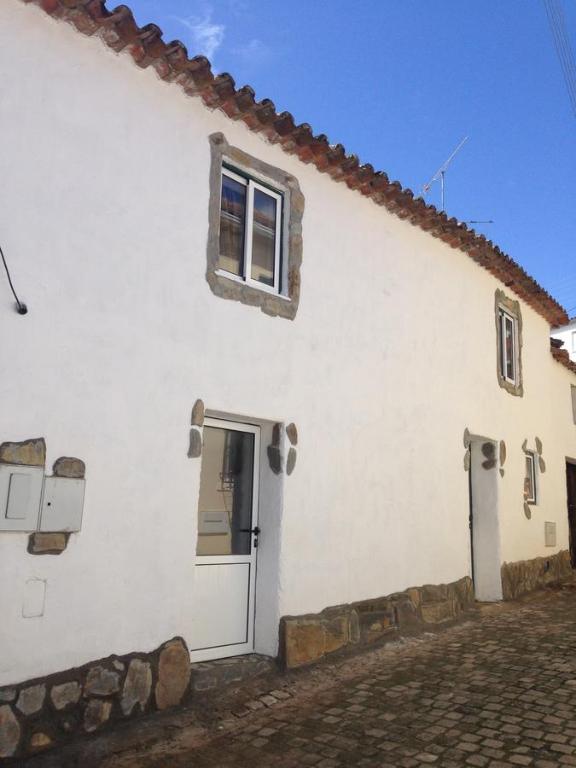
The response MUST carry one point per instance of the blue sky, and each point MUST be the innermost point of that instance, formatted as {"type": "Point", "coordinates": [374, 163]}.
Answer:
{"type": "Point", "coordinates": [401, 82]}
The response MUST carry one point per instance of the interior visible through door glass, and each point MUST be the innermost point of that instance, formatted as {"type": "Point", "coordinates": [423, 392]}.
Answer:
{"type": "Point", "coordinates": [226, 486]}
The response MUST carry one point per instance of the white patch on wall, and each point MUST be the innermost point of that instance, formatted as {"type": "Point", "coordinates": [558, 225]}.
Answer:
{"type": "Point", "coordinates": [62, 504]}
{"type": "Point", "coordinates": [550, 534]}
{"type": "Point", "coordinates": [20, 493]}
{"type": "Point", "coordinates": [34, 599]}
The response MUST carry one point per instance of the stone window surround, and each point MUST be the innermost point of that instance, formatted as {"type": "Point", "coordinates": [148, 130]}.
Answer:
{"type": "Point", "coordinates": [513, 308]}
{"type": "Point", "coordinates": [284, 304]}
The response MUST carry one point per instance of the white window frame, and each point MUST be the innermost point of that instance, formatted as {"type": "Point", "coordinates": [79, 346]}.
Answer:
{"type": "Point", "coordinates": [530, 457]}
{"type": "Point", "coordinates": [246, 276]}
{"type": "Point", "coordinates": [504, 316]}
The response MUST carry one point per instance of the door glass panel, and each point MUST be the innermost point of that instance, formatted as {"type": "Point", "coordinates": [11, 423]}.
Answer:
{"type": "Point", "coordinates": [232, 216]}
{"type": "Point", "coordinates": [264, 237]}
{"type": "Point", "coordinates": [226, 485]}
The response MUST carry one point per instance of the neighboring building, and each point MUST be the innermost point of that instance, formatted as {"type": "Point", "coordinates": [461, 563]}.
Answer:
{"type": "Point", "coordinates": [567, 335]}
{"type": "Point", "coordinates": [222, 309]}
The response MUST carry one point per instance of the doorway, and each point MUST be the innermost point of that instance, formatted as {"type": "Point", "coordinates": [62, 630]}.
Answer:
{"type": "Point", "coordinates": [571, 488]}
{"type": "Point", "coordinates": [227, 541]}
{"type": "Point", "coordinates": [484, 521]}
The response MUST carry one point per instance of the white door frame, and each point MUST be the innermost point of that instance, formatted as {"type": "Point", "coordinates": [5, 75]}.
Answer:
{"type": "Point", "coordinates": [203, 561]}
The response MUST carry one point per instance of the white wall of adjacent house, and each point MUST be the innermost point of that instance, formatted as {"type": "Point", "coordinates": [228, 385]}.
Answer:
{"type": "Point", "coordinates": [567, 334]}
{"type": "Point", "coordinates": [104, 221]}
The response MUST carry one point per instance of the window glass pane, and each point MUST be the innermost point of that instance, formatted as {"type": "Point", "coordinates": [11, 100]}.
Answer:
{"type": "Point", "coordinates": [529, 480]}
{"type": "Point", "coordinates": [509, 347]}
{"type": "Point", "coordinates": [225, 504]}
{"type": "Point", "coordinates": [232, 216]}
{"type": "Point", "coordinates": [263, 237]}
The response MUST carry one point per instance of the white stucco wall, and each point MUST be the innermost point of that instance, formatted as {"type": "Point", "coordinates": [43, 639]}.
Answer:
{"type": "Point", "coordinates": [104, 221]}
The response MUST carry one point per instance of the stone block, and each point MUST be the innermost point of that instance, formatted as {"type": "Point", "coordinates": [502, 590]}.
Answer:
{"type": "Point", "coordinates": [292, 433]}
{"type": "Point", "coordinates": [197, 419]}
{"type": "Point", "coordinates": [137, 686]}
{"type": "Point", "coordinates": [336, 633]}
{"type": "Point", "coordinates": [68, 466]}
{"type": "Point", "coordinates": [407, 616]}
{"type": "Point", "coordinates": [9, 732]}
{"type": "Point", "coordinates": [7, 694]}
{"type": "Point", "coordinates": [65, 694]}
{"type": "Point", "coordinates": [304, 641]}
{"type": "Point", "coordinates": [195, 444]}
{"type": "Point", "coordinates": [354, 626]}
{"type": "Point", "coordinates": [376, 625]}
{"type": "Point", "coordinates": [31, 453]}
{"type": "Point", "coordinates": [96, 714]}
{"type": "Point", "coordinates": [101, 681]}
{"type": "Point", "coordinates": [40, 741]}
{"type": "Point", "coordinates": [291, 461]}
{"type": "Point", "coordinates": [414, 595]}
{"type": "Point", "coordinates": [434, 613]}
{"type": "Point", "coordinates": [274, 459]}
{"type": "Point", "coordinates": [433, 593]}
{"type": "Point", "coordinates": [47, 543]}
{"type": "Point", "coordinates": [173, 674]}
{"type": "Point", "coordinates": [31, 699]}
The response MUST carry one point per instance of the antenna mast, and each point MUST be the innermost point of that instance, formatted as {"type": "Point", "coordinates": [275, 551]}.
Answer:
{"type": "Point", "coordinates": [441, 172]}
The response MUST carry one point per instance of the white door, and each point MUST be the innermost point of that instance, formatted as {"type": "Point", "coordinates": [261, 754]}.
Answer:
{"type": "Point", "coordinates": [225, 572]}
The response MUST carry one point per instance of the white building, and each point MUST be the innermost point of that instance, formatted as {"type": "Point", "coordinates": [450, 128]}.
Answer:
{"type": "Point", "coordinates": [567, 335]}
{"type": "Point", "coordinates": [220, 325]}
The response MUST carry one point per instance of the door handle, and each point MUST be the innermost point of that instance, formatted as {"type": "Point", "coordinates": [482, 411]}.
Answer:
{"type": "Point", "coordinates": [255, 530]}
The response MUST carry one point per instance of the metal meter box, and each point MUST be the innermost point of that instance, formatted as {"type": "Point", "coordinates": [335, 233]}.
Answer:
{"type": "Point", "coordinates": [62, 504]}
{"type": "Point", "coordinates": [20, 494]}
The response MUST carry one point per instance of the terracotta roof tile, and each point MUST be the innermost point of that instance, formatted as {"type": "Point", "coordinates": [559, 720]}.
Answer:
{"type": "Point", "coordinates": [562, 356]}
{"type": "Point", "coordinates": [119, 30]}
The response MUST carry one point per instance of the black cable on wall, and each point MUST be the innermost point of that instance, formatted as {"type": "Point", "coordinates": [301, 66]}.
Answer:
{"type": "Point", "coordinates": [21, 308]}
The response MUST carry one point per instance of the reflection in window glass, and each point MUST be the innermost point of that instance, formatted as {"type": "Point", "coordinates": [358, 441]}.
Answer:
{"type": "Point", "coordinates": [263, 238]}
{"type": "Point", "coordinates": [226, 485]}
{"type": "Point", "coordinates": [530, 479]}
{"type": "Point", "coordinates": [509, 345]}
{"type": "Point", "coordinates": [232, 217]}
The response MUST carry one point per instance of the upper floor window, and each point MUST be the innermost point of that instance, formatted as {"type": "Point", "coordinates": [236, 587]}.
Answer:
{"type": "Point", "coordinates": [508, 346]}
{"type": "Point", "coordinates": [254, 247]}
{"type": "Point", "coordinates": [250, 231]}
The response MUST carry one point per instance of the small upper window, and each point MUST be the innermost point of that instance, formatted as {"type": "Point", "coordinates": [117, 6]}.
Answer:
{"type": "Point", "coordinates": [508, 346]}
{"type": "Point", "coordinates": [530, 479]}
{"type": "Point", "coordinates": [250, 231]}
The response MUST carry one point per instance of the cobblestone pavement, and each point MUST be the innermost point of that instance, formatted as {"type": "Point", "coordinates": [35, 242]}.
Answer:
{"type": "Point", "coordinates": [498, 691]}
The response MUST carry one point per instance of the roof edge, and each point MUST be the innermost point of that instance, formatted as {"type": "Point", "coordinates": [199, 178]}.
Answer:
{"type": "Point", "coordinates": [119, 30]}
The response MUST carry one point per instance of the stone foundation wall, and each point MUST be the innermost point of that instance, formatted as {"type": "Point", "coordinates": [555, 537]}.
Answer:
{"type": "Point", "coordinates": [528, 575]}
{"type": "Point", "coordinates": [43, 713]}
{"type": "Point", "coordinates": [307, 639]}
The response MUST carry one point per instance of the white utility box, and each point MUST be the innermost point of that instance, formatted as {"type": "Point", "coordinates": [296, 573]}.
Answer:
{"type": "Point", "coordinates": [62, 504]}
{"type": "Point", "coordinates": [20, 495]}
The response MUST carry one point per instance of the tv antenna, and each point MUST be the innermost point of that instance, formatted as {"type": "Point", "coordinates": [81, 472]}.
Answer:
{"type": "Point", "coordinates": [441, 172]}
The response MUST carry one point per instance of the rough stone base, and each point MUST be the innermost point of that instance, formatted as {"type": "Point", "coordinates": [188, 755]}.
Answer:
{"type": "Point", "coordinates": [44, 713]}
{"type": "Point", "coordinates": [527, 575]}
{"type": "Point", "coordinates": [307, 639]}
{"type": "Point", "coordinates": [213, 675]}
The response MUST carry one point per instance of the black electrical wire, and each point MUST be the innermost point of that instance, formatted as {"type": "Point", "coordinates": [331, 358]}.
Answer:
{"type": "Point", "coordinates": [22, 309]}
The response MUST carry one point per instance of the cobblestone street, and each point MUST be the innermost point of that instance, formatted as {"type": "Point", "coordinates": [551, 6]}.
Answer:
{"type": "Point", "coordinates": [497, 690]}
